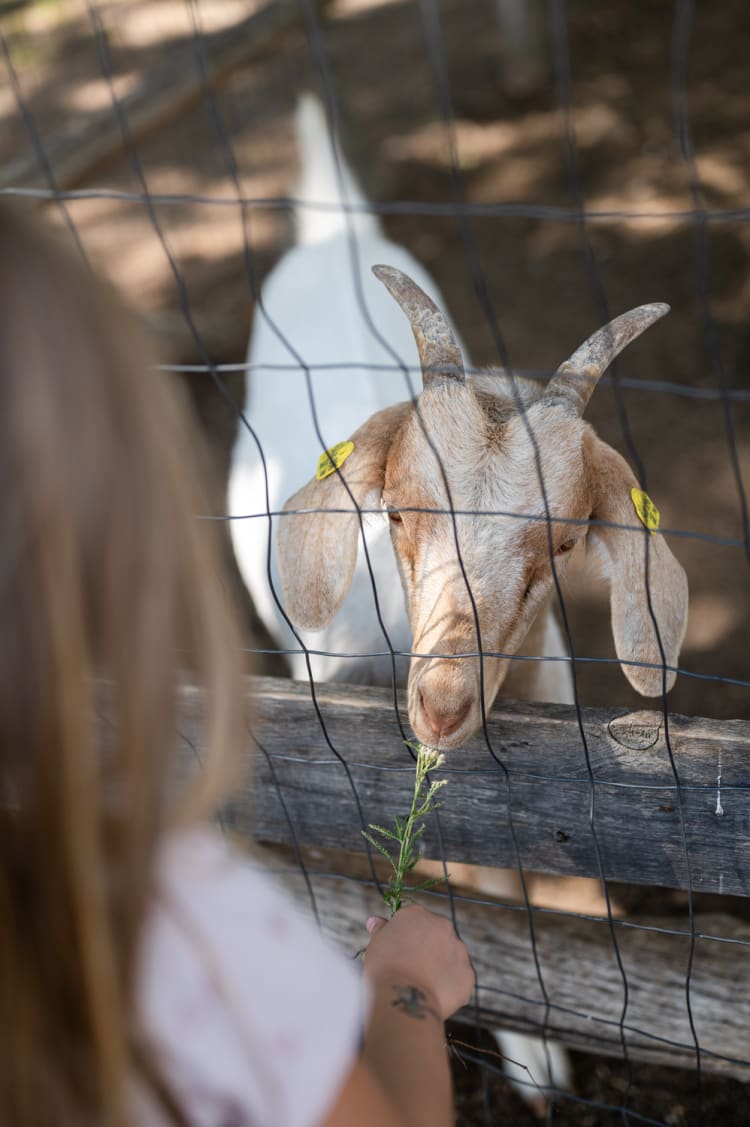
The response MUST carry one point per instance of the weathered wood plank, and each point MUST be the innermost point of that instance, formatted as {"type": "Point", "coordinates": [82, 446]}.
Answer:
{"type": "Point", "coordinates": [581, 978]}
{"type": "Point", "coordinates": [531, 776]}
{"type": "Point", "coordinates": [303, 791]}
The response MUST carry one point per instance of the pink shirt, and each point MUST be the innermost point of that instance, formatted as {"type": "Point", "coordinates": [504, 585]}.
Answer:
{"type": "Point", "coordinates": [255, 1018]}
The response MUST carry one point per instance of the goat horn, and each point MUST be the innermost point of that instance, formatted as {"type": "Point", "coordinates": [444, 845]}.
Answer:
{"type": "Point", "coordinates": [439, 354]}
{"type": "Point", "coordinates": [575, 380]}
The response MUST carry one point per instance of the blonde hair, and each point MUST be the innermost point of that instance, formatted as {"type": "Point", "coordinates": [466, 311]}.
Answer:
{"type": "Point", "coordinates": [104, 572]}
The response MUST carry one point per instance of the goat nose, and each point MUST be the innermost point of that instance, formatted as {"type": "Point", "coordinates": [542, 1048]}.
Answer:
{"type": "Point", "coordinates": [442, 720]}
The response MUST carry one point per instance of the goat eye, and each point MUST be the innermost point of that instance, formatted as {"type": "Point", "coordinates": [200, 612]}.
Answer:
{"type": "Point", "coordinates": [394, 515]}
{"type": "Point", "coordinates": [566, 546]}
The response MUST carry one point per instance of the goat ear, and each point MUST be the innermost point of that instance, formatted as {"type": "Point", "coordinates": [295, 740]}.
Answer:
{"type": "Point", "coordinates": [639, 564]}
{"type": "Point", "coordinates": [319, 526]}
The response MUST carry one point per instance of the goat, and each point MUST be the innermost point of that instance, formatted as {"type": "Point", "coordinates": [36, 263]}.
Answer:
{"type": "Point", "coordinates": [489, 484]}
{"type": "Point", "coordinates": [486, 483]}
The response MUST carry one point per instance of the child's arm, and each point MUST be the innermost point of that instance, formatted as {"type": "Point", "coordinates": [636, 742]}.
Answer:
{"type": "Point", "coordinates": [421, 974]}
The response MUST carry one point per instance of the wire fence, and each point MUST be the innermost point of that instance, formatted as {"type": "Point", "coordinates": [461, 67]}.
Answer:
{"type": "Point", "coordinates": [321, 752]}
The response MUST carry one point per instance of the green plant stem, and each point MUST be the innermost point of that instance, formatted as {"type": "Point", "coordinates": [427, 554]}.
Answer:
{"type": "Point", "coordinates": [406, 847]}
{"type": "Point", "coordinates": [408, 832]}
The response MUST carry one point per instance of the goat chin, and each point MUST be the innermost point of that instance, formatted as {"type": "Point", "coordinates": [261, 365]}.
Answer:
{"type": "Point", "coordinates": [444, 723]}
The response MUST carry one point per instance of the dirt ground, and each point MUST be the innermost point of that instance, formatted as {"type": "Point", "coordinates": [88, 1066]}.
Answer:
{"type": "Point", "coordinates": [547, 277]}
{"type": "Point", "coordinates": [652, 1094]}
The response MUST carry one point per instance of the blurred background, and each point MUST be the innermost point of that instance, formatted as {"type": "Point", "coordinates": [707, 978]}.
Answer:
{"type": "Point", "coordinates": [602, 152]}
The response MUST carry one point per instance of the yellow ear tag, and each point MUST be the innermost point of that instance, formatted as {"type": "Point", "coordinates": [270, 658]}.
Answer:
{"type": "Point", "coordinates": [329, 462]}
{"type": "Point", "coordinates": [647, 511]}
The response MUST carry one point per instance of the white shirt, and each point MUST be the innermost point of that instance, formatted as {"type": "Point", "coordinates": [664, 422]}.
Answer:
{"type": "Point", "coordinates": [255, 1019]}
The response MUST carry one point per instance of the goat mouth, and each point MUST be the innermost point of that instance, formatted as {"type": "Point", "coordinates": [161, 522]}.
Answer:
{"type": "Point", "coordinates": [446, 712]}
{"type": "Point", "coordinates": [445, 743]}
{"type": "Point", "coordinates": [440, 725]}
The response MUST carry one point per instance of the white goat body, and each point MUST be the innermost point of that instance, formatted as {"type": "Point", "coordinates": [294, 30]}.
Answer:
{"type": "Point", "coordinates": [312, 315]}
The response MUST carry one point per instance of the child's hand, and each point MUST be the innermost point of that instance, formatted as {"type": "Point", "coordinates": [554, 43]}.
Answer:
{"type": "Point", "coordinates": [420, 948]}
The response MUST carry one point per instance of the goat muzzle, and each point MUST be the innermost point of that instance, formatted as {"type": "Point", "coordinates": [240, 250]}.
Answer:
{"type": "Point", "coordinates": [442, 719]}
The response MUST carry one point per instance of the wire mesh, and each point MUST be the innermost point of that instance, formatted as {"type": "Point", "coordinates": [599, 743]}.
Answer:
{"type": "Point", "coordinates": [328, 49]}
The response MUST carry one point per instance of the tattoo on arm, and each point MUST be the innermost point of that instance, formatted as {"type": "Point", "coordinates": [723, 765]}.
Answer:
{"type": "Point", "coordinates": [411, 1001]}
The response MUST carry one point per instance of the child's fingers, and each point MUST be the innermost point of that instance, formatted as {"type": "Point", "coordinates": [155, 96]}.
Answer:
{"type": "Point", "coordinates": [375, 924]}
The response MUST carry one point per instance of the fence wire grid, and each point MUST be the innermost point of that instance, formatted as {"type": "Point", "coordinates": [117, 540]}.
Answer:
{"type": "Point", "coordinates": [582, 181]}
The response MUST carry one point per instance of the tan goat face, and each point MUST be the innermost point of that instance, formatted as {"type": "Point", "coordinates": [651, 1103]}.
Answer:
{"type": "Point", "coordinates": [477, 536]}
{"type": "Point", "coordinates": [472, 541]}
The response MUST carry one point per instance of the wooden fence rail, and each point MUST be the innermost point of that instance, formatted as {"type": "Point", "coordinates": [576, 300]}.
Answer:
{"type": "Point", "coordinates": [579, 973]}
{"type": "Point", "coordinates": [618, 795]}
{"type": "Point", "coordinates": [534, 769]}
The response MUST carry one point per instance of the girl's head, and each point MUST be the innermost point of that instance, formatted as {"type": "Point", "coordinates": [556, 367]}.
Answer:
{"type": "Point", "coordinates": [105, 573]}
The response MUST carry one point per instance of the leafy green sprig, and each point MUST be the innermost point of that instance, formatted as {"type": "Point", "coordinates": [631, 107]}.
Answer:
{"type": "Point", "coordinates": [407, 831]}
